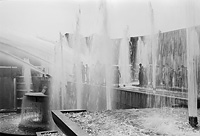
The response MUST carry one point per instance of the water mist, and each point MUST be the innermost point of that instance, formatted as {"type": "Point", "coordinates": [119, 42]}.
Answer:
{"type": "Point", "coordinates": [192, 65]}
{"type": "Point", "coordinates": [101, 63]}
{"type": "Point", "coordinates": [124, 60]}
{"type": "Point", "coordinates": [27, 76]}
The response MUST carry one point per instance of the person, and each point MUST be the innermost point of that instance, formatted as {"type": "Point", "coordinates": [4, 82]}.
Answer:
{"type": "Point", "coordinates": [117, 76]}
{"type": "Point", "coordinates": [141, 75]}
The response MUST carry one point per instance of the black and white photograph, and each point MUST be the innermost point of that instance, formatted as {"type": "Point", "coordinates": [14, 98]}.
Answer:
{"type": "Point", "coordinates": [99, 67]}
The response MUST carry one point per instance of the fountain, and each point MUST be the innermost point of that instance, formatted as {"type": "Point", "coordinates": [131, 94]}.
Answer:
{"type": "Point", "coordinates": [192, 64]}
{"type": "Point", "coordinates": [90, 66]}
{"type": "Point", "coordinates": [165, 88]}
{"type": "Point", "coordinates": [124, 62]}
{"type": "Point", "coordinates": [91, 84]}
{"type": "Point", "coordinates": [34, 109]}
{"type": "Point", "coordinates": [35, 112]}
{"type": "Point", "coordinates": [167, 94]}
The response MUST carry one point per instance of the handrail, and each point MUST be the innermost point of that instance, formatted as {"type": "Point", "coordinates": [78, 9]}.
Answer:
{"type": "Point", "coordinates": [29, 53]}
{"type": "Point", "coordinates": [23, 62]}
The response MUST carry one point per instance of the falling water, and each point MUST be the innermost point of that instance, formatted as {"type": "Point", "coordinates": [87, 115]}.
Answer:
{"type": "Point", "coordinates": [192, 64]}
{"type": "Point", "coordinates": [150, 52]}
{"type": "Point", "coordinates": [34, 108]}
{"type": "Point", "coordinates": [58, 83]}
{"type": "Point", "coordinates": [153, 47]}
{"type": "Point", "coordinates": [101, 64]}
{"type": "Point", "coordinates": [92, 65]}
{"type": "Point", "coordinates": [163, 56]}
{"type": "Point", "coordinates": [74, 86]}
{"type": "Point", "coordinates": [27, 76]}
{"type": "Point", "coordinates": [100, 79]}
{"type": "Point", "coordinates": [153, 62]}
{"type": "Point", "coordinates": [124, 62]}
{"type": "Point", "coordinates": [77, 62]}
{"type": "Point", "coordinates": [142, 52]}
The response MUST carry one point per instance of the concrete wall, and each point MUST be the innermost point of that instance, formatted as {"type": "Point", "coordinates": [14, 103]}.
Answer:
{"type": "Point", "coordinates": [6, 93]}
{"type": "Point", "coordinates": [94, 98]}
{"type": "Point", "coordinates": [125, 99]}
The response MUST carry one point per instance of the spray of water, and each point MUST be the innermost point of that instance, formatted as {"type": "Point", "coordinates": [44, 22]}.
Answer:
{"type": "Point", "coordinates": [192, 64]}
{"type": "Point", "coordinates": [163, 56]}
{"type": "Point", "coordinates": [101, 65]}
{"type": "Point", "coordinates": [142, 52]}
{"type": "Point", "coordinates": [143, 56]}
{"type": "Point", "coordinates": [27, 76]}
{"type": "Point", "coordinates": [58, 81]}
{"type": "Point", "coordinates": [153, 47]}
{"type": "Point", "coordinates": [84, 78]}
{"type": "Point", "coordinates": [124, 60]}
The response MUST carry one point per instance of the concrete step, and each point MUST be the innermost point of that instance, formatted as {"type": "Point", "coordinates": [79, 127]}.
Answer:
{"type": "Point", "coordinates": [20, 79]}
{"type": "Point", "coordinates": [20, 93]}
{"type": "Point", "coordinates": [23, 86]}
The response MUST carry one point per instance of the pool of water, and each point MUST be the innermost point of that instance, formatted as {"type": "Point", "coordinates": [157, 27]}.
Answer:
{"type": "Point", "coordinates": [10, 124]}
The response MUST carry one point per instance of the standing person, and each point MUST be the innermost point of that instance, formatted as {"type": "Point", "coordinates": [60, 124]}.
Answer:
{"type": "Point", "coordinates": [117, 76]}
{"type": "Point", "coordinates": [141, 75]}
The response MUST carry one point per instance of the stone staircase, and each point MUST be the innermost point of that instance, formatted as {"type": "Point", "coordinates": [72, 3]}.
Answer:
{"type": "Point", "coordinates": [20, 91]}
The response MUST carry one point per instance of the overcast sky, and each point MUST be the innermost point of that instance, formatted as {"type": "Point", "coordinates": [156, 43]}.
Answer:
{"type": "Point", "coordinates": [46, 18]}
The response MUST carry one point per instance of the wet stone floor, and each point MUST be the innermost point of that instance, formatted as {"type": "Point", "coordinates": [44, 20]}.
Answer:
{"type": "Point", "coordinates": [136, 122]}
{"type": "Point", "coordinates": [9, 124]}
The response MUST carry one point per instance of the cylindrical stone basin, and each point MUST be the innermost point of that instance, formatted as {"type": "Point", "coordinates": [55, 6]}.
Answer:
{"type": "Point", "coordinates": [35, 111]}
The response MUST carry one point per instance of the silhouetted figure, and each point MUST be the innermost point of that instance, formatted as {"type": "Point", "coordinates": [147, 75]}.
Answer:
{"type": "Point", "coordinates": [117, 76]}
{"type": "Point", "coordinates": [141, 75]}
